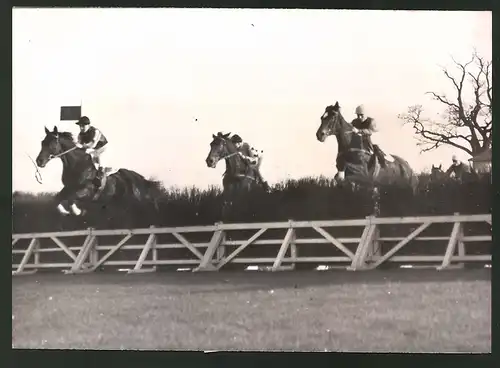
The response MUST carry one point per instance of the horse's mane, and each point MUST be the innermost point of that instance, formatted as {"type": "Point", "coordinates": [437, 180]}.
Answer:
{"type": "Point", "coordinates": [223, 136]}
{"type": "Point", "coordinates": [68, 135]}
{"type": "Point", "coordinates": [336, 108]}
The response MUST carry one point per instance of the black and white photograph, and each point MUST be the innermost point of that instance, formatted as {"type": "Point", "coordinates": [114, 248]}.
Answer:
{"type": "Point", "coordinates": [202, 179]}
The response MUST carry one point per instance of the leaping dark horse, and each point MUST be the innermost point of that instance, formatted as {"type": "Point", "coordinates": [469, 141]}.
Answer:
{"type": "Point", "coordinates": [79, 177]}
{"type": "Point", "coordinates": [362, 165]}
{"type": "Point", "coordinates": [238, 175]}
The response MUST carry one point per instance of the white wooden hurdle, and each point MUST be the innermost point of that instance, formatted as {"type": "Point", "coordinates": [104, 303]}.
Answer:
{"type": "Point", "coordinates": [356, 253]}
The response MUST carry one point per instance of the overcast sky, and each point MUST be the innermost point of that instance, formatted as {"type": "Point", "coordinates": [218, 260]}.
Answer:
{"type": "Point", "coordinates": [159, 82]}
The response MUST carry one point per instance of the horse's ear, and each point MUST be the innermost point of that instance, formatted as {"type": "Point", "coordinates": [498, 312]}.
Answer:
{"type": "Point", "coordinates": [55, 130]}
{"type": "Point", "coordinates": [440, 165]}
{"type": "Point", "coordinates": [227, 135]}
{"type": "Point", "coordinates": [337, 106]}
{"type": "Point", "coordinates": [47, 131]}
{"type": "Point", "coordinates": [214, 136]}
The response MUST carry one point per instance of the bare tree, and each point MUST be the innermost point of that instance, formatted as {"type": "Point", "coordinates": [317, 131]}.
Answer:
{"type": "Point", "coordinates": [463, 125]}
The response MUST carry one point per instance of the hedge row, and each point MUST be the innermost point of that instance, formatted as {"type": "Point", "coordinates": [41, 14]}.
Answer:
{"type": "Point", "coordinates": [304, 199]}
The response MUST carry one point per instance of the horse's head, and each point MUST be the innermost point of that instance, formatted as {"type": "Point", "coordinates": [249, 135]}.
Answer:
{"type": "Point", "coordinates": [437, 172]}
{"type": "Point", "coordinates": [53, 144]}
{"type": "Point", "coordinates": [220, 148]}
{"type": "Point", "coordinates": [330, 122]}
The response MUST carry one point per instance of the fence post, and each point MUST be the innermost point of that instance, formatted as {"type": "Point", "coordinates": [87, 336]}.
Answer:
{"type": "Point", "coordinates": [283, 249]}
{"type": "Point", "coordinates": [206, 262]}
{"type": "Point", "coordinates": [150, 244]}
{"type": "Point", "coordinates": [293, 246]}
{"type": "Point", "coordinates": [366, 240]}
{"type": "Point", "coordinates": [94, 253]}
{"type": "Point", "coordinates": [452, 243]}
{"type": "Point", "coordinates": [374, 247]}
{"type": "Point", "coordinates": [27, 255]}
{"type": "Point", "coordinates": [221, 249]}
{"type": "Point", "coordinates": [83, 254]}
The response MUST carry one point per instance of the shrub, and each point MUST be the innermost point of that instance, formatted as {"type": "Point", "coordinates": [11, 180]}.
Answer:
{"type": "Point", "coordinates": [303, 199]}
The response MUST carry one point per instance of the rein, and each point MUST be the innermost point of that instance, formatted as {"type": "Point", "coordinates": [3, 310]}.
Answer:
{"type": "Point", "coordinates": [38, 174]}
{"type": "Point", "coordinates": [229, 155]}
{"type": "Point", "coordinates": [62, 154]}
{"type": "Point", "coordinates": [237, 175]}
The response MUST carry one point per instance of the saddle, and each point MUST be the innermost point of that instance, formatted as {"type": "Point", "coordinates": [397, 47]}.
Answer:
{"type": "Point", "coordinates": [100, 179]}
{"type": "Point", "coordinates": [373, 152]}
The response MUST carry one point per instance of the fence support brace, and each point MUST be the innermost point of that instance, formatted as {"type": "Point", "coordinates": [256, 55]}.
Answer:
{"type": "Point", "coordinates": [206, 261]}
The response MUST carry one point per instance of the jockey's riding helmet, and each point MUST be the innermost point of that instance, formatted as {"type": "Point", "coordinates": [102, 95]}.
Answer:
{"type": "Point", "coordinates": [83, 121]}
{"type": "Point", "coordinates": [360, 110]}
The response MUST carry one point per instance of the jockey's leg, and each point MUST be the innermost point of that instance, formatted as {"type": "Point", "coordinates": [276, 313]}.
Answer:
{"type": "Point", "coordinates": [383, 158]}
{"type": "Point", "coordinates": [97, 155]}
{"type": "Point", "coordinates": [259, 175]}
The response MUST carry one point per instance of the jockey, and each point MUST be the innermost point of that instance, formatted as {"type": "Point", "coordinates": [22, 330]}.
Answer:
{"type": "Point", "coordinates": [366, 127]}
{"type": "Point", "coordinates": [251, 156]}
{"type": "Point", "coordinates": [458, 168]}
{"type": "Point", "coordinates": [92, 140]}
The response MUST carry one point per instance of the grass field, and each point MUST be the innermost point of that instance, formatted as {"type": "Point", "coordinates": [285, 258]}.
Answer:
{"type": "Point", "coordinates": [405, 310]}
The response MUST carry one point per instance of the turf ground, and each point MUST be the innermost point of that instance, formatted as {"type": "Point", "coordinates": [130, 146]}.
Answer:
{"type": "Point", "coordinates": [396, 310]}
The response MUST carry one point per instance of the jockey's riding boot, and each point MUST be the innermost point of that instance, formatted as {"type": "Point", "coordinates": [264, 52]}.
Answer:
{"type": "Point", "coordinates": [381, 156]}
{"type": "Point", "coordinates": [98, 177]}
{"type": "Point", "coordinates": [382, 160]}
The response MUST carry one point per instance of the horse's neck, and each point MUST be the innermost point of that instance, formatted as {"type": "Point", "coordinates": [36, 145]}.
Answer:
{"type": "Point", "coordinates": [344, 136]}
{"type": "Point", "coordinates": [233, 163]}
{"type": "Point", "coordinates": [72, 159]}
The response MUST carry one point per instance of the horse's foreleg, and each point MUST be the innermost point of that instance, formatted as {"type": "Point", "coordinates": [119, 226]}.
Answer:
{"type": "Point", "coordinates": [63, 211]}
{"type": "Point", "coordinates": [80, 194]}
{"type": "Point", "coordinates": [61, 197]}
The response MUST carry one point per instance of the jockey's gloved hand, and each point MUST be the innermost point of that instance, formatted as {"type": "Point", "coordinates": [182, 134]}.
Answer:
{"type": "Point", "coordinates": [355, 130]}
{"type": "Point", "coordinates": [79, 145]}
{"type": "Point", "coordinates": [89, 150]}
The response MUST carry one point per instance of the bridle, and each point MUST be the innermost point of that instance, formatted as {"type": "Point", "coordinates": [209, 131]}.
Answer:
{"type": "Point", "coordinates": [229, 155]}
{"type": "Point", "coordinates": [224, 144]}
{"type": "Point", "coordinates": [330, 131]}
{"type": "Point", "coordinates": [331, 122]}
{"type": "Point", "coordinates": [62, 153]}
{"type": "Point", "coordinates": [38, 174]}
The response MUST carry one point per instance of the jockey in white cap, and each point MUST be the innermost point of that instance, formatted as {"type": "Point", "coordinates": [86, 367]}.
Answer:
{"type": "Point", "coordinates": [458, 168]}
{"type": "Point", "coordinates": [366, 127]}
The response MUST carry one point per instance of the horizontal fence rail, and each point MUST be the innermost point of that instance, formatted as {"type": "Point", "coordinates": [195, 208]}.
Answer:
{"type": "Point", "coordinates": [358, 244]}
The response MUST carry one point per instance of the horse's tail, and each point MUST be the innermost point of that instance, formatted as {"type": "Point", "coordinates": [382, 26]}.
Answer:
{"type": "Point", "coordinates": [407, 173]}
{"type": "Point", "coordinates": [414, 181]}
{"type": "Point", "coordinates": [154, 192]}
